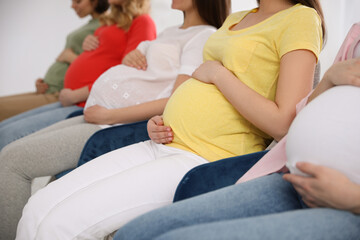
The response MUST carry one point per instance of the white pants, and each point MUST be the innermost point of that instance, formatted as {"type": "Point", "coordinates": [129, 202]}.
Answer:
{"type": "Point", "coordinates": [101, 196]}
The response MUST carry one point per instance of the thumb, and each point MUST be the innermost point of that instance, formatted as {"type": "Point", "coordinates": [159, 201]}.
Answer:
{"type": "Point", "coordinates": [309, 168]}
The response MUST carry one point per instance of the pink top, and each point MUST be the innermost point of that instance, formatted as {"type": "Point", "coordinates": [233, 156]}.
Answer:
{"type": "Point", "coordinates": [275, 160]}
{"type": "Point", "coordinates": [347, 49]}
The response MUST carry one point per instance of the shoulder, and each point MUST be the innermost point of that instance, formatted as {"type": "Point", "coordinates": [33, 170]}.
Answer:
{"type": "Point", "coordinates": [201, 30]}
{"type": "Point", "coordinates": [145, 18]}
{"type": "Point", "coordinates": [303, 12]}
{"type": "Point", "coordinates": [144, 22]}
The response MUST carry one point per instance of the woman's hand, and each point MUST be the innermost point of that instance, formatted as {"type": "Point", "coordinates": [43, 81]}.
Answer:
{"type": "Point", "coordinates": [325, 187]}
{"type": "Point", "coordinates": [341, 73]}
{"type": "Point", "coordinates": [90, 43]}
{"type": "Point", "coordinates": [67, 56]}
{"type": "Point", "coordinates": [158, 132]}
{"type": "Point", "coordinates": [209, 72]}
{"type": "Point", "coordinates": [97, 114]}
{"type": "Point", "coordinates": [41, 86]}
{"type": "Point", "coordinates": [135, 59]}
{"type": "Point", "coordinates": [66, 97]}
{"type": "Point", "coordinates": [344, 73]}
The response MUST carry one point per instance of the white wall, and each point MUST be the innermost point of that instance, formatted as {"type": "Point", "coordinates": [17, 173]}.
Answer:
{"type": "Point", "coordinates": [33, 34]}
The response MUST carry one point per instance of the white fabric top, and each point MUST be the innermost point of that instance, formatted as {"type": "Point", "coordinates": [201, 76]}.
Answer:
{"type": "Point", "coordinates": [175, 51]}
{"type": "Point", "coordinates": [327, 132]}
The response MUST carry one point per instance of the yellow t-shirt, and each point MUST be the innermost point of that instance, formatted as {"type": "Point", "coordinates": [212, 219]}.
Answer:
{"type": "Point", "coordinates": [202, 119]}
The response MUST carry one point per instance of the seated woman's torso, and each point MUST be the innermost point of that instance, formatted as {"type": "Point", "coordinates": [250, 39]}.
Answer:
{"type": "Point", "coordinates": [202, 119]}
{"type": "Point", "coordinates": [123, 86]}
{"type": "Point", "coordinates": [56, 72]}
{"type": "Point", "coordinates": [89, 65]}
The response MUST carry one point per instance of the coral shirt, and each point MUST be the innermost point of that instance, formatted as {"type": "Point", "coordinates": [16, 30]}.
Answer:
{"type": "Point", "coordinates": [114, 44]}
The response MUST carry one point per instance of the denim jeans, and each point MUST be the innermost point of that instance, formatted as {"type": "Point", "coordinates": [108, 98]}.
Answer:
{"type": "Point", "coordinates": [264, 208]}
{"type": "Point", "coordinates": [31, 121]}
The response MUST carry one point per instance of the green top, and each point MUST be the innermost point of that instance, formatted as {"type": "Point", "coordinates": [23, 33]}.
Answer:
{"type": "Point", "coordinates": [56, 73]}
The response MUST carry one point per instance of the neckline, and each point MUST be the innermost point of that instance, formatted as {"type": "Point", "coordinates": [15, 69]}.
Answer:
{"type": "Point", "coordinates": [201, 25]}
{"type": "Point", "coordinates": [259, 23]}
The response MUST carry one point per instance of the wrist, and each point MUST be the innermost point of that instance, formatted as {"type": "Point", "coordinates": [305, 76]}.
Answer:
{"type": "Point", "coordinates": [328, 80]}
{"type": "Point", "coordinates": [110, 116]}
{"type": "Point", "coordinates": [220, 74]}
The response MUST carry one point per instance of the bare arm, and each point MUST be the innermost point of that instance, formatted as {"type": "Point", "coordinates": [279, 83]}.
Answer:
{"type": "Point", "coordinates": [342, 73]}
{"type": "Point", "coordinates": [67, 56]}
{"type": "Point", "coordinates": [70, 97]}
{"type": "Point", "coordinates": [135, 59]}
{"type": "Point", "coordinates": [273, 117]}
{"type": "Point", "coordinates": [90, 43]}
{"type": "Point", "coordinates": [140, 112]}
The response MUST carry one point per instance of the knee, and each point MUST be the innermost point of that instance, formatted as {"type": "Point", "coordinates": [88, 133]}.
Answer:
{"type": "Point", "coordinates": [12, 157]}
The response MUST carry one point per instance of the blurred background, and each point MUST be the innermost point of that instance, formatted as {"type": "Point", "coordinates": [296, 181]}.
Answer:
{"type": "Point", "coordinates": [32, 34]}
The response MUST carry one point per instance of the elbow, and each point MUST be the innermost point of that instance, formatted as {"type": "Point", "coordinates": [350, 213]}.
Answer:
{"type": "Point", "coordinates": [279, 135]}
{"type": "Point", "coordinates": [282, 125]}
{"type": "Point", "coordinates": [280, 131]}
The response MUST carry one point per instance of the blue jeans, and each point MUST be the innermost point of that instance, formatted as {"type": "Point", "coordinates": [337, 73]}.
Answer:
{"type": "Point", "coordinates": [264, 208]}
{"type": "Point", "coordinates": [31, 121]}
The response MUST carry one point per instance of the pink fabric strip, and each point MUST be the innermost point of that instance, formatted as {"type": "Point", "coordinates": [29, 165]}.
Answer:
{"type": "Point", "coordinates": [275, 159]}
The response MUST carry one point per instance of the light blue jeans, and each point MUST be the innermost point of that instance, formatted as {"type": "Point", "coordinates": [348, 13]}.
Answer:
{"type": "Point", "coordinates": [31, 121]}
{"type": "Point", "coordinates": [264, 208]}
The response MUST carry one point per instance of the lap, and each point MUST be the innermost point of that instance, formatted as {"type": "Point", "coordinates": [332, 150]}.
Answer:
{"type": "Point", "coordinates": [16, 104]}
{"type": "Point", "coordinates": [33, 122]}
{"type": "Point", "coordinates": [261, 196]}
{"type": "Point", "coordinates": [299, 224]}
{"type": "Point", "coordinates": [117, 187]}
{"type": "Point", "coordinates": [48, 152]}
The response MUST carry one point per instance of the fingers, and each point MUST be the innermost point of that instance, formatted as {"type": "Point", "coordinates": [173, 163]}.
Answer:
{"type": "Point", "coordinates": [140, 60]}
{"type": "Point", "coordinates": [41, 87]}
{"type": "Point", "coordinates": [309, 168]}
{"type": "Point", "coordinates": [296, 180]}
{"type": "Point", "coordinates": [158, 132]}
{"type": "Point", "coordinates": [90, 43]}
{"type": "Point", "coordinates": [158, 120]}
{"type": "Point", "coordinates": [135, 59]}
{"type": "Point", "coordinates": [162, 134]}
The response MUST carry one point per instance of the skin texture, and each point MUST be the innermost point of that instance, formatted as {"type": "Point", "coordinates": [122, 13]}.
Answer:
{"type": "Point", "coordinates": [326, 188]}
{"type": "Point", "coordinates": [341, 73]}
{"type": "Point", "coordinates": [135, 59]}
{"type": "Point", "coordinates": [90, 43]}
{"type": "Point", "coordinates": [69, 97]}
{"type": "Point", "coordinates": [41, 86]}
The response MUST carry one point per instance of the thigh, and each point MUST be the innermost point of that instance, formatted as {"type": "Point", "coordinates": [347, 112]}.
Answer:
{"type": "Point", "coordinates": [48, 153]}
{"type": "Point", "coordinates": [300, 224]}
{"type": "Point", "coordinates": [30, 113]}
{"type": "Point", "coordinates": [16, 104]}
{"type": "Point", "coordinates": [266, 195]}
{"type": "Point", "coordinates": [117, 187]}
{"type": "Point", "coordinates": [32, 123]}
{"type": "Point", "coordinates": [63, 124]}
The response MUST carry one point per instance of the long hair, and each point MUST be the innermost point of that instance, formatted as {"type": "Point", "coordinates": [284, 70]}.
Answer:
{"type": "Point", "coordinates": [123, 15]}
{"type": "Point", "coordinates": [213, 12]}
{"type": "Point", "coordinates": [101, 6]}
{"type": "Point", "coordinates": [315, 4]}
